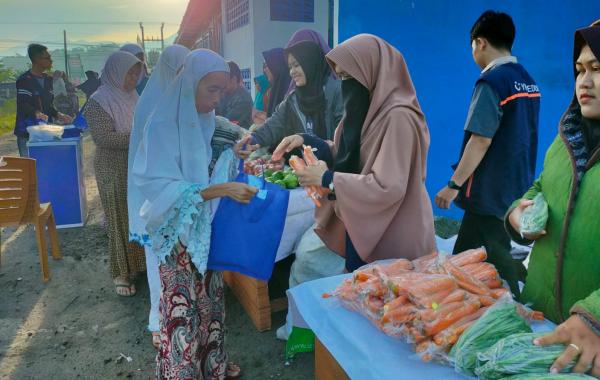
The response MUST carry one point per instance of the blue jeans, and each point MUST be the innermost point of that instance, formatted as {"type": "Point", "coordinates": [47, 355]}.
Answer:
{"type": "Point", "coordinates": [22, 145]}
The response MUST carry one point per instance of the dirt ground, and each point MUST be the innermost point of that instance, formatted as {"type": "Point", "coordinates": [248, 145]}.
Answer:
{"type": "Point", "coordinates": [76, 327]}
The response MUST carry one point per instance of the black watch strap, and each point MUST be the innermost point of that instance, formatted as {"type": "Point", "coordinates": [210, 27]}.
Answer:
{"type": "Point", "coordinates": [452, 185]}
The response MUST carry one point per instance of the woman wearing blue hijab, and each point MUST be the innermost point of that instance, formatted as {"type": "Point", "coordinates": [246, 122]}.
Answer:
{"type": "Point", "coordinates": [171, 168]}
{"type": "Point", "coordinates": [167, 67]}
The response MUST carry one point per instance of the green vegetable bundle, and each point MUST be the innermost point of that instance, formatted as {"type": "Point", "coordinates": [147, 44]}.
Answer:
{"type": "Point", "coordinates": [534, 218]}
{"type": "Point", "coordinates": [517, 354]}
{"type": "Point", "coordinates": [550, 376]}
{"type": "Point", "coordinates": [500, 321]}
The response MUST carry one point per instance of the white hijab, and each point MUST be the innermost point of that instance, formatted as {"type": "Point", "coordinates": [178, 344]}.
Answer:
{"type": "Point", "coordinates": [171, 165]}
{"type": "Point", "coordinates": [111, 96]}
{"type": "Point", "coordinates": [164, 73]}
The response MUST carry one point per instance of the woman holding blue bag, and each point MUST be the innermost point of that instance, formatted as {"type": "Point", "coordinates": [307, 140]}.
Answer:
{"type": "Point", "coordinates": [167, 67]}
{"type": "Point", "coordinates": [171, 169]}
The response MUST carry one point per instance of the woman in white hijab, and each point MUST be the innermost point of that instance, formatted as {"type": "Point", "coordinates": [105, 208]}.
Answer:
{"type": "Point", "coordinates": [171, 168]}
{"type": "Point", "coordinates": [109, 114]}
{"type": "Point", "coordinates": [167, 67]}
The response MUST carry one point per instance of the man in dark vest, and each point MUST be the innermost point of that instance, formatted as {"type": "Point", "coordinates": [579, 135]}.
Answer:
{"type": "Point", "coordinates": [35, 96]}
{"type": "Point", "coordinates": [498, 156]}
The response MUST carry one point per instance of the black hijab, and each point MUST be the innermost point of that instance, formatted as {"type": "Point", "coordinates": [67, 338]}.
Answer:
{"type": "Point", "coordinates": [311, 96]}
{"type": "Point", "coordinates": [277, 64]}
{"type": "Point", "coordinates": [357, 100]}
{"type": "Point", "coordinates": [591, 128]}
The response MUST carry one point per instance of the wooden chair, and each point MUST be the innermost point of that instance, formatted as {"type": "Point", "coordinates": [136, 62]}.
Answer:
{"type": "Point", "coordinates": [20, 204]}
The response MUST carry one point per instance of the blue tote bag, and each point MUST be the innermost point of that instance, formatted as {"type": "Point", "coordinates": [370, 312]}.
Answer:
{"type": "Point", "coordinates": [245, 237]}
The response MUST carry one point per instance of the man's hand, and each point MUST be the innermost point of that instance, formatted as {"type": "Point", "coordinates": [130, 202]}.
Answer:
{"type": "Point", "coordinates": [445, 197]}
{"type": "Point", "coordinates": [41, 116]}
{"type": "Point", "coordinates": [64, 119]}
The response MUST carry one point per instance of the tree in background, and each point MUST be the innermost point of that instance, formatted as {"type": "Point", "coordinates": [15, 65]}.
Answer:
{"type": "Point", "coordinates": [6, 74]}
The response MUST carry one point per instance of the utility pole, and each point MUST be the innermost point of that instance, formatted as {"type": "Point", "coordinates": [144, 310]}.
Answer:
{"type": "Point", "coordinates": [162, 38]}
{"type": "Point", "coordinates": [143, 39]}
{"type": "Point", "coordinates": [66, 55]}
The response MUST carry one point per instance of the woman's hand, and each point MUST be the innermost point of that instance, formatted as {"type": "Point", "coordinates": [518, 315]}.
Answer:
{"type": "Point", "coordinates": [287, 145]}
{"type": "Point", "coordinates": [240, 192]}
{"type": "Point", "coordinates": [515, 220]}
{"type": "Point", "coordinates": [581, 342]}
{"type": "Point", "coordinates": [243, 149]}
{"type": "Point", "coordinates": [312, 175]}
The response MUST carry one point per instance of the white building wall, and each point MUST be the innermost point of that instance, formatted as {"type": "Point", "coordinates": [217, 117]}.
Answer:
{"type": "Point", "coordinates": [238, 45]}
{"type": "Point", "coordinates": [246, 44]}
{"type": "Point", "coordinates": [270, 34]}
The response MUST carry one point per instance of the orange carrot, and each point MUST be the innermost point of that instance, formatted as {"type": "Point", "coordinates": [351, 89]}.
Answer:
{"type": "Point", "coordinates": [298, 164]}
{"type": "Point", "coordinates": [397, 267]}
{"type": "Point", "coordinates": [415, 335]}
{"type": "Point", "coordinates": [312, 160]}
{"type": "Point", "coordinates": [399, 315]}
{"type": "Point", "coordinates": [396, 302]}
{"type": "Point", "coordinates": [493, 283]}
{"type": "Point", "coordinates": [423, 262]}
{"type": "Point", "coordinates": [432, 284]}
{"type": "Point", "coordinates": [451, 334]}
{"type": "Point", "coordinates": [456, 296]}
{"type": "Point", "coordinates": [440, 324]}
{"type": "Point", "coordinates": [497, 293]}
{"type": "Point", "coordinates": [428, 315]}
{"type": "Point", "coordinates": [465, 280]}
{"type": "Point", "coordinates": [430, 300]}
{"type": "Point", "coordinates": [469, 257]}
{"type": "Point", "coordinates": [487, 300]}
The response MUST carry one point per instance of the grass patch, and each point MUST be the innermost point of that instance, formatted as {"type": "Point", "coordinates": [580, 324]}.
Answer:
{"type": "Point", "coordinates": [8, 111]}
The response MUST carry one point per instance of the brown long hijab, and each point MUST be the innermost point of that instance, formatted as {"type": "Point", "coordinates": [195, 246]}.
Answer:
{"type": "Point", "coordinates": [385, 209]}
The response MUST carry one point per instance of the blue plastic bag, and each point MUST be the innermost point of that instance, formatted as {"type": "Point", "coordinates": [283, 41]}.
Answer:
{"type": "Point", "coordinates": [245, 238]}
{"type": "Point", "coordinates": [80, 121]}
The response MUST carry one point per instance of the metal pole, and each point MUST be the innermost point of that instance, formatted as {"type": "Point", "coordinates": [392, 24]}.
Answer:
{"type": "Point", "coordinates": [66, 55]}
{"type": "Point", "coordinates": [143, 39]}
{"type": "Point", "coordinates": [162, 38]}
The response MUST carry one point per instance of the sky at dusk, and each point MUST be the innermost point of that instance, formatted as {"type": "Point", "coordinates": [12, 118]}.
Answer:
{"type": "Point", "coordinates": [86, 21]}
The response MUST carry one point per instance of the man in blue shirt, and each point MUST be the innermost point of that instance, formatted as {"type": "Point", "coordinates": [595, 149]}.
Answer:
{"type": "Point", "coordinates": [498, 156]}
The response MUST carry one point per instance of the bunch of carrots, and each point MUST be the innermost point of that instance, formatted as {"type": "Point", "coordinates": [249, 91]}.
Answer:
{"type": "Point", "coordinates": [429, 301]}
{"type": "Point", "coordinates": [316, 193]}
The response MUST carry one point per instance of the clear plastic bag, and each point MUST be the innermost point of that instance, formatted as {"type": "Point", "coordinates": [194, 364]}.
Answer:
{"type": "Point", "coordinates": [47, 132]}
{"type": "Point", "coordinates": [516, 354]}
{"type": "Point", "coordinates": [534, 218]}
{"type": "Point", "coordinates": [499, 321]}
{"type": "Point", "coordinates": [550, 376]}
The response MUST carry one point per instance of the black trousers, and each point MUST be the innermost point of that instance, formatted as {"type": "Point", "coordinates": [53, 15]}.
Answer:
{"type": "Point", "coordinates": [488, 231]}
{"type": "Point", "coordinates": [353, 260]}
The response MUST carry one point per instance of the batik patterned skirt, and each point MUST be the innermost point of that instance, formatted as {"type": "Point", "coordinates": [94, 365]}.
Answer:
{"type": "Point", "coordinates": [192, 313]}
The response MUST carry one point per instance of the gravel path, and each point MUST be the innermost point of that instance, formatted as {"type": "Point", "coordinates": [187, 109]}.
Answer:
{"type": "Point", "coordinates": [77, 327]}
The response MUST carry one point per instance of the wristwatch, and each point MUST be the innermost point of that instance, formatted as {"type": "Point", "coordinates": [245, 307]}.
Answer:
{"type": "Point", "coordinates": [452, 185]}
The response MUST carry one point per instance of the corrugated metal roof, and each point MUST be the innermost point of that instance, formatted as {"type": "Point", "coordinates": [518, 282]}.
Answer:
{"type": "Point", "coordinates": [195, 20]}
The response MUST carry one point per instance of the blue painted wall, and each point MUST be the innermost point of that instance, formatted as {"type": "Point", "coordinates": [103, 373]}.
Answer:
{"type": "Point", "coordinates": [433, 35]}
